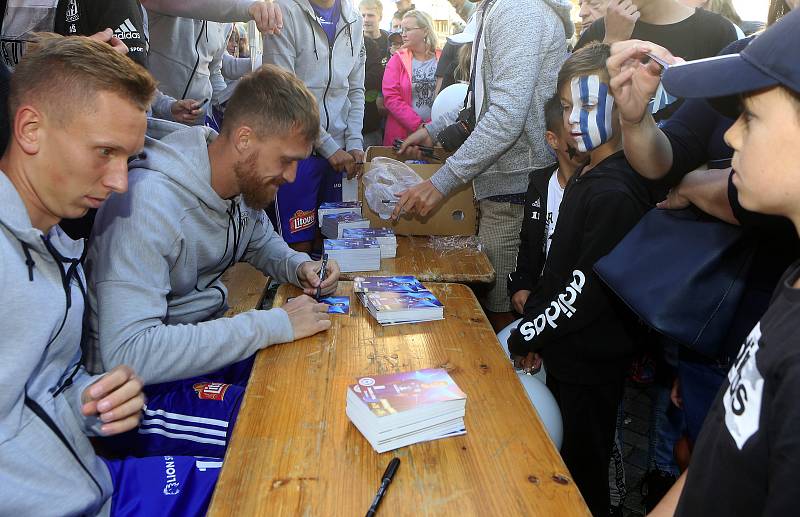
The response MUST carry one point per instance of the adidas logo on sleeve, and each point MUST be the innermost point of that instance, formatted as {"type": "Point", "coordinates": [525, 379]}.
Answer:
{"type": "Point", "coordinates": [127, 30]}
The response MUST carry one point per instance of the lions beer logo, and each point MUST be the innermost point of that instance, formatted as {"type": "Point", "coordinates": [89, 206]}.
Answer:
{"type": "Point", "coordinates": [211, 390]}
{"type": "Point", "coordinates": [301, 220]}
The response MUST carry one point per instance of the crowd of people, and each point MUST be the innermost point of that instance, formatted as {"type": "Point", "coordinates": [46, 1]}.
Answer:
{"type": "Point", "coordinates": [146, 150]}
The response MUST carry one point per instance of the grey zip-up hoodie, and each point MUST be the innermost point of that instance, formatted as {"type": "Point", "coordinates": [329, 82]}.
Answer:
{"type": "Point", "coordinates": [156, 256]}
{"type": "Point", "coordinates": [47, 465]}
{"type": "Point", "coordinates": [186, 58]}
{"type": "Point", "coordinates": [526, 44]}
{"type": "Point", "coordinates": [334, 74]}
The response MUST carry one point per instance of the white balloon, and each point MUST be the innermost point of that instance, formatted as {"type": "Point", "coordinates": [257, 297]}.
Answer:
{"type": "Point", "coordinates": [450, 99]}
{"type": "Point", "coordinates": [502, 337]}
{"type": "Point", "coordinates": [545, 405]}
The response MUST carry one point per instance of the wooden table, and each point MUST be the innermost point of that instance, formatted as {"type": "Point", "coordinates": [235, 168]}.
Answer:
{"type": "Point", "coordinates": [294, 451]}
{"type": "Point", "coordinates": [416, 256]}
{"type": "Point", "coordinates": [246, 286]}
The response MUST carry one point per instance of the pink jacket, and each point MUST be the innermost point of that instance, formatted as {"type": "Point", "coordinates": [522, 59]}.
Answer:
{"type": "Point", "coordinates": [402, 119]}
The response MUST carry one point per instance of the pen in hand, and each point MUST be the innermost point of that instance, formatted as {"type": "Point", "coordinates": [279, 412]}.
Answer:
{"type": "Point", "coordinates": [387, 478]}
{"type": "Point", "coordinates": [322, 275]}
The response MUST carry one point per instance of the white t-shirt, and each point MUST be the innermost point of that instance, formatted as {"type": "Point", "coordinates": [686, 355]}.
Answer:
{"type": "Point", "coordinates": [555, 193]}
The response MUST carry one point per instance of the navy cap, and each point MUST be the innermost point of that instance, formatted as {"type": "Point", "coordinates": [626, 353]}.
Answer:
{"type": "Point", "coordinates": [771, 59]}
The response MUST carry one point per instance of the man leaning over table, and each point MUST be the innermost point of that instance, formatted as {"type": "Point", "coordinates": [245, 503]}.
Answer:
{"type": "Point", "coordinates": [194, 208]}
{"type": "Point", "coordinates": [522, 46]}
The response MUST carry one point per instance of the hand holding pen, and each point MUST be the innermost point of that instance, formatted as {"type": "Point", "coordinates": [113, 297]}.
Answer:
{"type": "Point", "coordinates": [319, 278]}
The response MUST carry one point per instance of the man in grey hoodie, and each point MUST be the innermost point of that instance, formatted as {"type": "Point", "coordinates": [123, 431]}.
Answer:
{"type": "Point", "coordinates": [157, 253]}
{"type": "Point", "coordinates": [78, 112]}
{"type": "Point", "coordinates": [322, 42]}
{"type": "Point", "coordinates": [523, 44]}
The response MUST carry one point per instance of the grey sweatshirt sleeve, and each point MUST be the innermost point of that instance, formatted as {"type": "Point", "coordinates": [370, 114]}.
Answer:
{"type": "Point", "coordinates": [162, 106]}
{"type": "Point", "coordinates": [355, 118]}
{"type": "Point", "coordinates": [211, 10]}
{"type": "Point", "coordinates": [130, 259]}
{"type": "Point", "coordinates": [215, 69]}
{"type": "Point", "coordinates": [269, 253]}
{"type": "Point", "coordinates": [234, 67]}
{"type": "Point", "coordinates": [516, 53]}
{"type": "Point", "coordinates": [74, 395]}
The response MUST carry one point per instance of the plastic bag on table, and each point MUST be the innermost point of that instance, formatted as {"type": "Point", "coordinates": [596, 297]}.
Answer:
{"type": "Point", "coordinates": [386, 178]}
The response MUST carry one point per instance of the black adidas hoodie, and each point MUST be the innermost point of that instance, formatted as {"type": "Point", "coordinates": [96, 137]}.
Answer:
{"type": "Point", "coordinates": [584, 334]}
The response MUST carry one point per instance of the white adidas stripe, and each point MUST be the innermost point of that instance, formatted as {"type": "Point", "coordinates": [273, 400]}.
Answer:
{"type": "Point", "coordinates": [179, 427]}
{"type": "Point", "coordinates": [185, 418]}
{"type": "Point", "coordinates": [181, 436]}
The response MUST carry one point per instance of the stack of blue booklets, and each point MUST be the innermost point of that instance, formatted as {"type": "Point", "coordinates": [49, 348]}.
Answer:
{"type": "Point", "coordinates": [384, 236]}
{"type": "Point", "coordinates": [340, 207]}
{"type": "Point", "coordinates": [394, 300]}
{"type": "Point", "coordinates": [334, 224]}
{"type": "Point", "coordinates": [398, 409]}
{"type": "Point", "coordinates": [354, 254]}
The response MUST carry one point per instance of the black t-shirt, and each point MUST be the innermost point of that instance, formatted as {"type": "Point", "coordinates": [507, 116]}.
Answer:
{"type": "Point", "coordinates": [701, 35]}
{"type": "Point", "coordinates": [747, 458]}
{"type": "Point", "coordinates": [448, 62]}
{"type": "Point", "coordinates": [87, 17]}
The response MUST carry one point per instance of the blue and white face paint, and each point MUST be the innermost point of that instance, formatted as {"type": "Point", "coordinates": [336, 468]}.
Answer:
{"type": "Point", "coordinates": [590, 118]}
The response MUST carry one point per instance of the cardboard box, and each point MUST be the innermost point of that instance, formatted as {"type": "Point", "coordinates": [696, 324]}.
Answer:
{"type": "Point", "coordinates": [455, 216]}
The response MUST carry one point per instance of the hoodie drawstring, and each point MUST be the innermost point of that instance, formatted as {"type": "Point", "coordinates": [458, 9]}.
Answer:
{"type": "Point", "coordinates": [310, 21]}
{"type": "Point", "coordinates": [28, 260]}
{"type": "Point", "coordinates": [66, 279]}
{"type": "Point", "coordinates": [234, 214]}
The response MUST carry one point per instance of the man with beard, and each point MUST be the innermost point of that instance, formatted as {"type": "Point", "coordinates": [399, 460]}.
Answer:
{"type": "Point", "coordinates": [195, 208]}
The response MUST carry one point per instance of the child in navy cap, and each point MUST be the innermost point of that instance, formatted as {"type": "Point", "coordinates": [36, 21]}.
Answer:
{"type": "Point", "coordinates": [747, 457]}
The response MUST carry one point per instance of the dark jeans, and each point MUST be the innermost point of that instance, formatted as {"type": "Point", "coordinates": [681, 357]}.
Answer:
{"type": "Point", "coordinates": [589, 413]}
{"type": "Point", "coordinates": [699, 385]}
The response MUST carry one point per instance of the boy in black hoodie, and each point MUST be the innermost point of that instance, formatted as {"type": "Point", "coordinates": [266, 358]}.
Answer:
{"type": "Point", "coordinates": [542, 201]}
{"type": "Point", "coordinates": [571, 320]}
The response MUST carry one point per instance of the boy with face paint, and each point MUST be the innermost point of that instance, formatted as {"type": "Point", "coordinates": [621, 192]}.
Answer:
{"type": "Point", "coordinates": [542, 201]}
{"type": "Point", "coordinates": [571, 320]}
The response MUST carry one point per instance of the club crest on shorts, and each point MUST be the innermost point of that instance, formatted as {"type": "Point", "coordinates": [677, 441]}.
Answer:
{"type": "Point", "coordinates": [301, 220]}
{"type": "Point", "coordinates": [211, 390]}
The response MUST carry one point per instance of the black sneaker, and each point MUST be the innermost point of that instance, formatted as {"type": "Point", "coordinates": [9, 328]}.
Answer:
{"type": "Point", "coordinates": [655, 485]}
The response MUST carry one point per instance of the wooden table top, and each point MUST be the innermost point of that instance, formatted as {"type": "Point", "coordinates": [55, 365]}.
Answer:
{"type": "Point", "coordinates": [416, 256]}
{"type": "Point", "coordinates": [245, 286]}
{"type": "Point", "coordinates": [295, 452]}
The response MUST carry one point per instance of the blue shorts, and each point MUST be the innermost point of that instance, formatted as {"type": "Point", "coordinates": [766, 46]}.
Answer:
{"type": "Point", "coordinates": [191, 417]}
{"type": "Point", "coordinates": [162, 485]}
{"type": "Point", "coordinates": [295, 211]}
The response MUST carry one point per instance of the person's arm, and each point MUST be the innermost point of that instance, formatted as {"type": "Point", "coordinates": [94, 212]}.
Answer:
{"type": "Point", "coordinates": [215, 75]}
{"type": "Point", "coordinates": [211, 10]}
{"type": "Point", "coordinates": [354, 139]}
{"type": "Point", "coordinates": [522, 276]}
{"type": "Point", "coordinates": [517, 50]}
{"type": "Point", "coordinates": [669, 503]}
{"type": "Point", "coordinates": [581, 299]}
{"type": "Point", "coordinates": [269, 253]}
{"type": "Point", "coordinates": [707, 189]}
{"type": "Point", "coordinates": [234, 67]}
{"type": "Point", "coordinates": [633, 84]}
{"type": "Point", "coordinates": [136, 244]}
{"type": "Point", "coordinates": [393, 97]}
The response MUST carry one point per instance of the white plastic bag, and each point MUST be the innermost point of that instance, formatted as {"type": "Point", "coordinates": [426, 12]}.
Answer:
{"type": "Point", "coordinates": [386, 178]}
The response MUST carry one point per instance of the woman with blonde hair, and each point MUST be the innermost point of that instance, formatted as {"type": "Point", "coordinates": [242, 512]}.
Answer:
{"type": "Point", "coordinates": [409, 81]}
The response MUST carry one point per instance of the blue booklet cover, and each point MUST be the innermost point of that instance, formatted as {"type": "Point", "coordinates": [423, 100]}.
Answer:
{"type": "Point", "coordinates": [396, 284]}
{"type": "Point", "coordinates": [338, 304]}
{"type": "Point", "coordinates": [367, 233]}
{"type": "Point", "coordinates": [350, 244]}
{"type": "Point", "coordinates": [340, 204]}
